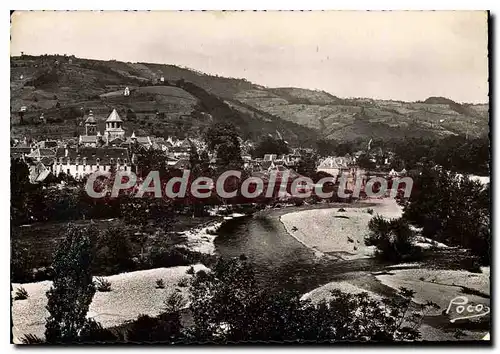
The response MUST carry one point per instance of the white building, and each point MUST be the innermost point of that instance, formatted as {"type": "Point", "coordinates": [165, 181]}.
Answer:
{"type": "Point", "coordinates": [79, 162]}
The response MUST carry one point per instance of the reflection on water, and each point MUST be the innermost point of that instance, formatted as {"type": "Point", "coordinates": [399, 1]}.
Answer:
{"type": "Point", "coordinates": [279, 259]}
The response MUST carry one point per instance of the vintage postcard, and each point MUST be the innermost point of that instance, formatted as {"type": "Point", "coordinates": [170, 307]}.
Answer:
{"type": "Point", "coordinates": [250, 177]}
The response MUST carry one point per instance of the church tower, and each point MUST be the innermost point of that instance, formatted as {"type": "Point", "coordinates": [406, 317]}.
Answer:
{"type": "Point", "coordinates": [90, 125]}
{"type": "Point", "coordinates": [114, 126]}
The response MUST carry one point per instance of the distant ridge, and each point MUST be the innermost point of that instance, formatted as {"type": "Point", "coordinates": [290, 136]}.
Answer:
{"type": "Point", "coordinates": [61, 86]}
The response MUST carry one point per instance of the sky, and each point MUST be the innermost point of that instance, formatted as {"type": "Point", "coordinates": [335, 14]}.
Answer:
{"type": "Point", "coordinates": [402, 55]}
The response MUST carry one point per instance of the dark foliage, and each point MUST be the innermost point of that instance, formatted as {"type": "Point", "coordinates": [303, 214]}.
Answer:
{"type": "Point", "coordinates": [146, 329]}
{"type": "Point", "coordinates": [21, 263]}
{"type": "Point", "coordinates": [222, 138]}
{"type": "Point", "coordinates": [102, 285]}
{"type": "Point", "coordinates": [93, 332]}
{"type": "Point", "coordinates": [113, 252]}
{"type": "Point", "coordinates": [270, 145]}
{"type": "Point", "coordinates": [451, 209]}
{"type": "Point", "coordinates": [307, 165]}
{"type": "Point", "coordinates": [393, 239]}
{"type": "Point", "coordinates": [228, 306]}
{"type": "Point", "coordinates": [72, 291]}
{"type": "Point", "coordinates": [21, 294]}
{"type": "Point", "coordinates": [31, 339]}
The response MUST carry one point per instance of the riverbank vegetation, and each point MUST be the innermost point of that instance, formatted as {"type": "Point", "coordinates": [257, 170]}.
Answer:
{"type": "Point", "coordinates": [452, 209]}
{"type": "Point", "coordinates": [393, 239]}
{"type": "Point", "coordinates": [226, 305]}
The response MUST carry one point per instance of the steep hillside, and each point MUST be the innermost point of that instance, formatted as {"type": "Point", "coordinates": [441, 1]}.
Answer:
{"type": "Point", "coordinates": [185, 104]}
{"type": "Point", "coordinates": [187, 101]}
{"type": "Point", "coordinates": [346, 119]}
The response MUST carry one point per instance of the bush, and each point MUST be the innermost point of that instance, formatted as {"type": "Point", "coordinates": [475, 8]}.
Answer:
{"type": "Point", "coordinates": [164, 258]}
{"type": "Point", "coordinates": [370, 211]}
{"type": "Point", "coordinates": [183, 282]}
{"type": "Point", "coordinates": [452, 209]}
{"type": "Point", "coordinates": [393, 239]}
{"type": "Point", "coordinates": [160, 284]}
{"type": "Point", "coordinates": [114, 252]}
{"type": "Point", "coordinates": [31, 339]}
{"type": "Point", "coordinates": [102, 285]}
{"type": "Point", "coordinates": [146, 329]}
{"type": "Point", "coordinates": [190, 270]}
{"type": "Point", "coordinates": [21, 269]}
{"type": "Point", "coordinates": [94, 333]}
{"type": "Point", "coordinates": [174, 302]}
{"type": "Point", "coordinates": [21, 294]}
{"type": "Point", "coordinates": [471, 264]}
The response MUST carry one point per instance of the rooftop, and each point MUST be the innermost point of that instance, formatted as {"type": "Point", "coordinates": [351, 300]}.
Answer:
{"type": "Point", "coordinates": [114, 117]}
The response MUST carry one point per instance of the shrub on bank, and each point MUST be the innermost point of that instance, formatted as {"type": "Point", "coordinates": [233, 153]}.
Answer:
{"type": "Point", "coordinates": [21, 294]}
{"type": "Point", "coordinates": [178, 256]}
{"type": "Point", "coordinates": [102, 285]}
{"type": "Point", "coordinates": [393, 239]}
{"type": "Point", "coordinates": [160, 284]}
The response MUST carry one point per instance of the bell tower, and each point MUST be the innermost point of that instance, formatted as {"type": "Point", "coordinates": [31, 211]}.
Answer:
{"type": "Point", "coordinates": [90, 125]}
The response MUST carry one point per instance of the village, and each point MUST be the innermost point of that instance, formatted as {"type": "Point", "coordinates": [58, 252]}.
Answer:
{"type": "Point", "coordinates": [112, 150]}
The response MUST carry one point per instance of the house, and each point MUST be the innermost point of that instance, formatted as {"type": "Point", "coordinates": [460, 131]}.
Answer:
{"type": "Point", "coordinates": [39, 161]}
{"type": "Point", "coordinates": [81, 161]}
{"type": "Point", "coordinates": [38, 171]}
{"type": "Point", "coordinates": [270, 157]}
{"type": "Point", "coordinates": [179, 152]}
{"type": "Point", "coordinates": [334, 166]}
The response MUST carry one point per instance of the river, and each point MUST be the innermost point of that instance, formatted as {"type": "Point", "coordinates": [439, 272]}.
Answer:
{"type": "Point", "coordinates": [280, 261]}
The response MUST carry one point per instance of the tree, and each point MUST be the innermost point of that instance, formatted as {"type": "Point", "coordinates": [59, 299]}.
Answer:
{"type": "Point", "coordinates": [72, 290]}
{"type": "Point", "coordinates": [19, 189]}
{"type": "Point", "coordinates": [223, 139]}
{"type": "Point", "coordinates": [450, 208]}
{"type": "Point", "coordinates": [231, 283]}
{"type": "Point", "coordinates": [27, 199]}
{"type": "Point", "coordinates": [151, 160]}
{"type": "Point", "coordinates": [131, 115]}
{"type": "Point", "coordinates": [114, 251]}
{"type": "Point", "coordinates": [269, 145]}
{"type": "Point", "coordinates": [21, 267]}
{"type": "Point", "coordinates": [199, 165]}
{"type": "Point", "coordinates": [365, 162]}
{"type": "Point", "coordinates": [393, 239]}
{"type": "Point", "coordinates": [307, 165]}
{"type": "Point", "coordinates": [326, 147]}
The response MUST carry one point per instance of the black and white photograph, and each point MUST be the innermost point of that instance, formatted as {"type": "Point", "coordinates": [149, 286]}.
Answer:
{"type": "Point", "coordinates": [250, 177]}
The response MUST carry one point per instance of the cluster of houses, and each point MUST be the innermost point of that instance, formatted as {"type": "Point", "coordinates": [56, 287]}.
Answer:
{"type": "Point", "coordinates": [112, 150]}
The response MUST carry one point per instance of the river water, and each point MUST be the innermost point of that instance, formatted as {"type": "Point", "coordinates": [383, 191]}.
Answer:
{"type": "Point", "coordinates": [280, 261]}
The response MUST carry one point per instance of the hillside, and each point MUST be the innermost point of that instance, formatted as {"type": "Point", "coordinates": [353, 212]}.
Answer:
{"type": "Point", "coordinates": [187, 102]}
